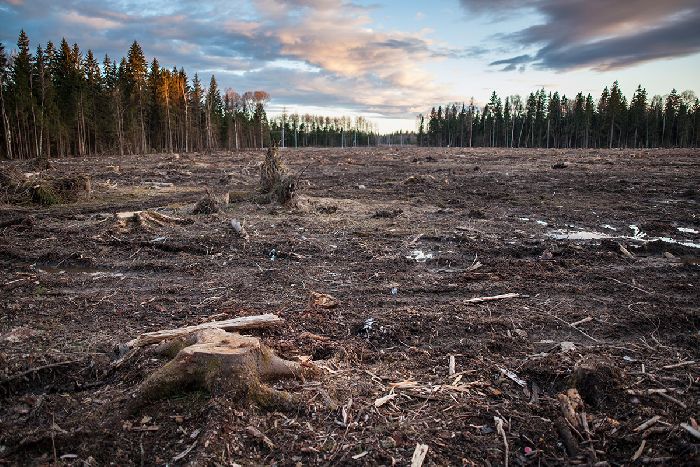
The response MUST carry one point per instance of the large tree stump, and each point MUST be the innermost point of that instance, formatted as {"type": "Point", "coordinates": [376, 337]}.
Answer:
{"type": "Point", "coordinates": [221, 363]}
{"type": "Point", "coordinates": [276, 184]}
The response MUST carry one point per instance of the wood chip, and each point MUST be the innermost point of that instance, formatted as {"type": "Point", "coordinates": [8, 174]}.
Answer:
{"type": "Point", "coordinates": [419, 455]}
{"type": "Point", "coordinates": [383, 400]}
{"type": "Point", "coordinates": [323, 300]}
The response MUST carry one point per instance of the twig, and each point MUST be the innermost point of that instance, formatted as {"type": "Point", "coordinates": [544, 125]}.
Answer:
{"type": "Point", "coordinates": [492, 298]}
{"type": "Point", "coordinates": [678, 365]}
{"type": "Point", "coordinates": [630, 285]}
{"type": "Point", "coordinates": [639, 451]}
{"type": "Point", "coordinates": [691, 430]}
{"type": "Point", "coordinates": [672, 399]}
{"type": "Point", "coordinates": [573, 327]}
{"type": "Point", "coordinates": [647, 424]}
{"type": "Point", "coordinates": [581, 321]}
{"type": "Point", "coordinates": [419, 455]}
{"type": "Point", "coordinates": [500, 431]}
{"type": "Point", "coordinates": [36, 369]}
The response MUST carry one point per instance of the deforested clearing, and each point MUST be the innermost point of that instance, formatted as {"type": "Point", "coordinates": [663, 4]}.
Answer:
{"type": "Point", "coordinates": [475, 303]}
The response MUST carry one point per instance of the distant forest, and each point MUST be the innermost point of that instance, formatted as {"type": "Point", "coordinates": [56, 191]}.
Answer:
{"type": "Point", "coordinates": [553, 121]}
{"type": "Point", "coordinates": [59, 101]}
{"type": "Point", "coordinates": [297, 130]}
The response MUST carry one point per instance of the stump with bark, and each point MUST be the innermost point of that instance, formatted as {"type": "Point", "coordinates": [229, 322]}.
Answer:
{"type": "Point", "coordinates": [221, 363]}
{"type": "Point", "coordinates": [276, 184]}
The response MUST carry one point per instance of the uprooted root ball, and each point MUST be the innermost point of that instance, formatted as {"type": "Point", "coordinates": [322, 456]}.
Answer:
{"type": "Point", "coordinates": [221, 362]}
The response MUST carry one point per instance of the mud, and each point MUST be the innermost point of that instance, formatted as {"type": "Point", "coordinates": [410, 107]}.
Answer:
{"type": "Point", "coordinates": [401, 237]}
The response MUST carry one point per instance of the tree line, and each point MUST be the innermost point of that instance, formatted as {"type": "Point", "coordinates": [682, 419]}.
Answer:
{"type": "Point", "coordinates": [296, 130]}
{"type": "Point", "coordinates": [548, 120]}
{"type": "Point", "coordinates": [59, 101]}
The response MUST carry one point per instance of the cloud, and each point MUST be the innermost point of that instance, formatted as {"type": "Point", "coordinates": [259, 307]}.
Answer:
{"type": "Point", "coordinates": [320, 52]}
{"type": "Point", "coordinates": [599, 34]}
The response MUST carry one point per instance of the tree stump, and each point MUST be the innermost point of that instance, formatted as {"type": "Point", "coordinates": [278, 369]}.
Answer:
{"type": "Point", "coordinates": [221, 363]}
{"type": "Point", "coordinates": [276, 184]}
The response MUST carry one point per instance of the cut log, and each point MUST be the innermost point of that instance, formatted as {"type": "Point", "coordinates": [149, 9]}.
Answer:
{"type": "Point", "coordinates": [236, 324]}
{"type": "Point", "coordinates": [222, 363]}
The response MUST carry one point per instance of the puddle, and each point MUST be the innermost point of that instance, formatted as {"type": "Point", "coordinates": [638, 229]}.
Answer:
{"type": "Point", "coordinates": [419, 256]}
{"type": "Point", "coordinates": [577, 235]}
{"type": "Point", "coordinates": [609, 227]}
{"type": "Point", "coordinates": [687, 230]}
{"type": "Point", "coordinates": [637, 235]}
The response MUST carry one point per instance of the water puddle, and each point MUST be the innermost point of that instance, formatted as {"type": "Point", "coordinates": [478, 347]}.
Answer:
{"type": "Point", "coordinates": [637, 235]}
{"type": "Point", "coordinates": [577, 235]}
{"type": "Point", "coordinates": [419, 256]}
{"type": "Point", "coordinates": [687, 230]}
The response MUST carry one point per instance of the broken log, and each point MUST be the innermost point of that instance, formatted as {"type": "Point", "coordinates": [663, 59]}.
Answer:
{"type": "Point", "coordinates": [236, 324]}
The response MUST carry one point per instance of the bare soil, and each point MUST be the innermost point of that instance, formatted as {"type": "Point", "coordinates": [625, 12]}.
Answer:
{"type": "Point", "coordinates": [402, 238]}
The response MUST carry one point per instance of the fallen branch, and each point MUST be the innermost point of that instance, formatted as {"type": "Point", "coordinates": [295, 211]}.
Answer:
{"type": "Point", "coordinates": [648, 423]}
{"type": "Point", "coordinates": [492, 298]}
{"type": "Point", "coordinates": [35, 370]}
{"type": "Point", "coordinates": [678, 365]}
{"type": "Point", "coordinates": [581, 321]}
{"type": "Point", "coordinates": [236, 324]}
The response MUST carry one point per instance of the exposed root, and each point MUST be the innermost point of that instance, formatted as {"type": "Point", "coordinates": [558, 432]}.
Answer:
{"type": "Point", "coordinates": [218, 361]}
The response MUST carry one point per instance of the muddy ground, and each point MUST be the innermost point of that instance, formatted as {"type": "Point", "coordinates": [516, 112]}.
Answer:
{"type": "Point", "coordinates": [402, 237]}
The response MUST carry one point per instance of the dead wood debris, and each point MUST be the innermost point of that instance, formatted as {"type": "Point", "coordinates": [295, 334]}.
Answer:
{"type": "Point", "coordinates": [243, 323]}
{"type": "Point", "coordinates": [42, 189]}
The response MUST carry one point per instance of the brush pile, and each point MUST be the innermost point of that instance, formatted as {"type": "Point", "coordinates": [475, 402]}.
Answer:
{"type": "Point", "coordinates": [17, 188]}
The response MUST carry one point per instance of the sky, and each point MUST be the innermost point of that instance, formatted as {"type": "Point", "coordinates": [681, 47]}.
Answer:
{"type": "Point", "coordinates": [386, 59]}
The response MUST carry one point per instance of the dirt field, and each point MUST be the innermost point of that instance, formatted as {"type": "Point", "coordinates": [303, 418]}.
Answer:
{"type": "Point", "coordinates": [403, 238]}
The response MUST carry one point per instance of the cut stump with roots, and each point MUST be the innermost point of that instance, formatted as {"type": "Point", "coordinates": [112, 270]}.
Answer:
{"type": "Point", "coordinates": [275, 181]}
{"type": "Point", "coordinates": [222, 363]}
